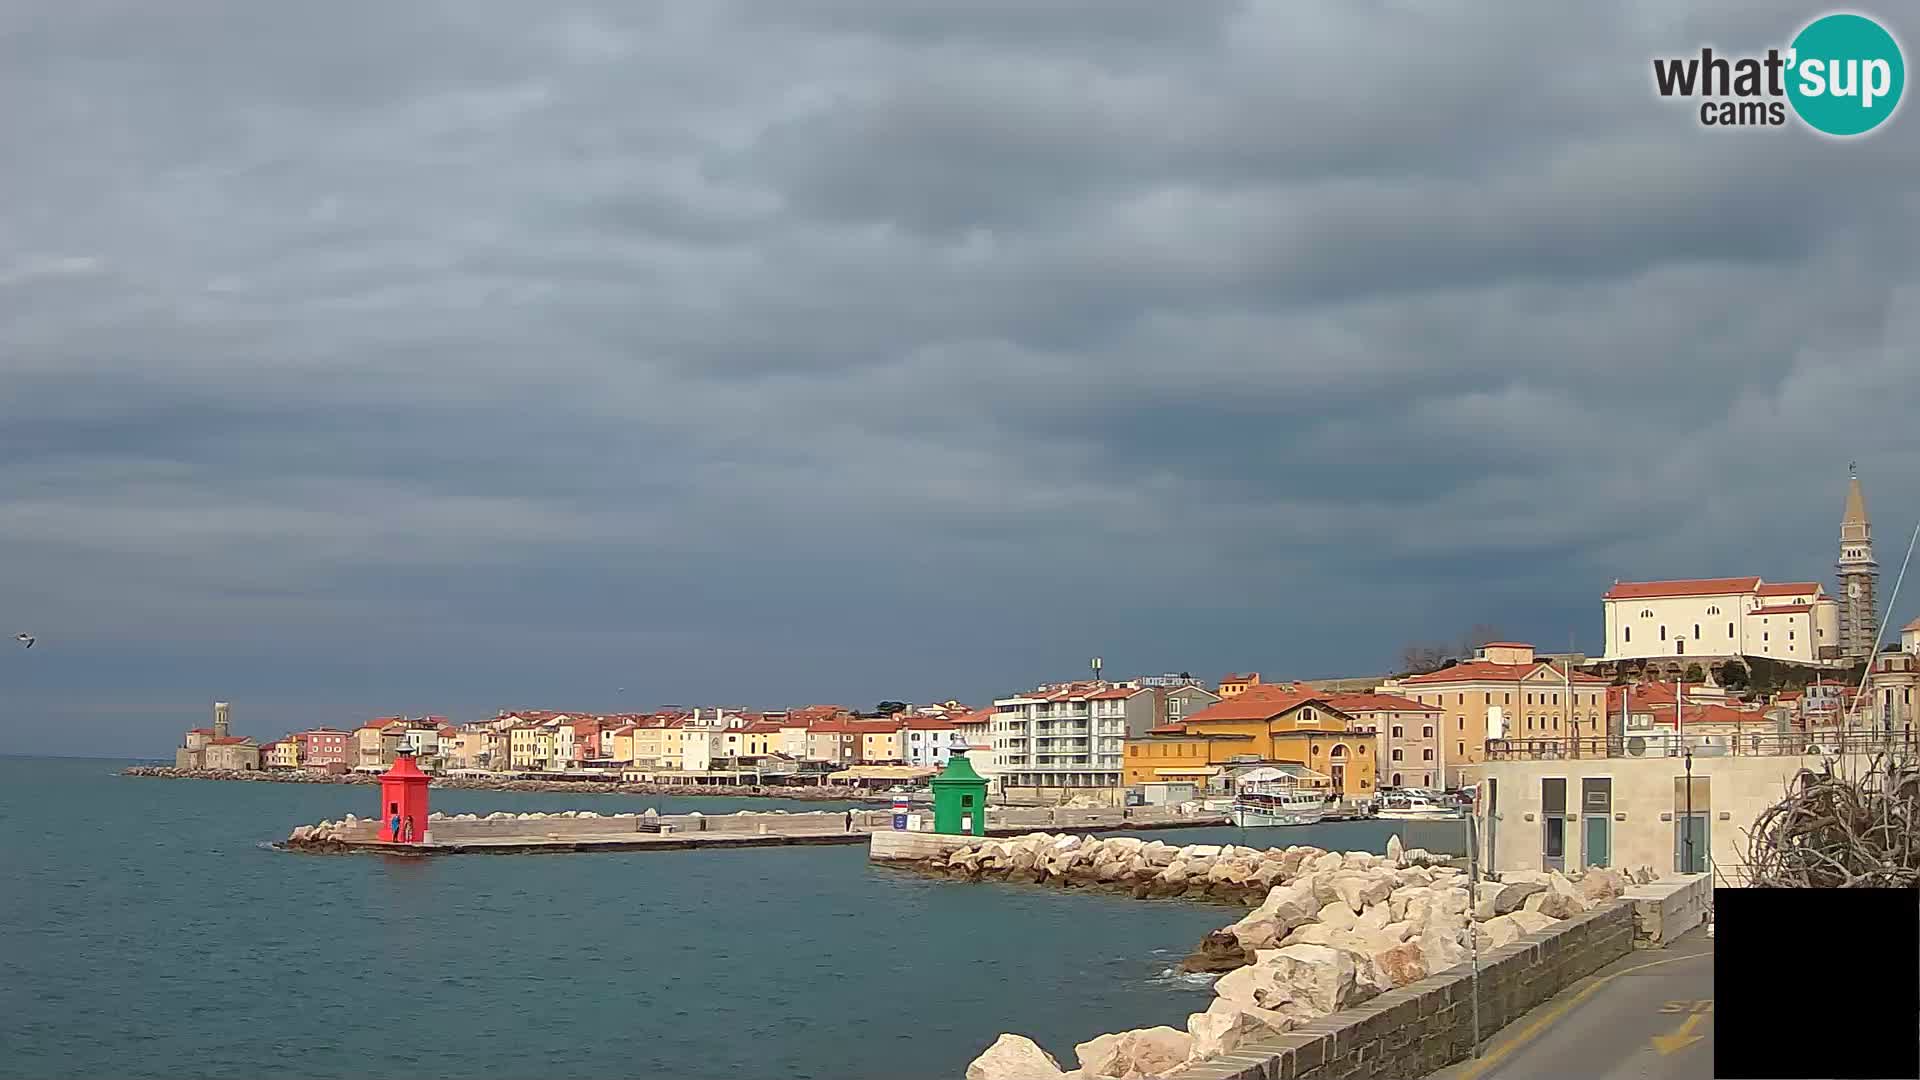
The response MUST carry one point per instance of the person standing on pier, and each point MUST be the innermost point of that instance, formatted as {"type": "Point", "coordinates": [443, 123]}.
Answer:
{"type": "Point", "coordinates": [409, 828]}
{"type": "Point", "coordinates": [393, 832]}
{"type": "Point", "coordinates": [849, 821]}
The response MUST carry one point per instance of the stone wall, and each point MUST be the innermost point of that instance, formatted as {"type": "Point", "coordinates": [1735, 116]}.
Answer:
{"type": "Point", "coordinates": [890, 846]}
{"type": "Point", "coordinates": [1427, 1025]}
{"type": "Point", "coordinates": [1663, 910]}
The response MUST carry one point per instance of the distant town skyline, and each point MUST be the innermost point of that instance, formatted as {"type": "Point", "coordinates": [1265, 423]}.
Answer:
{"type": "Point", "coordinates": [771, 354]}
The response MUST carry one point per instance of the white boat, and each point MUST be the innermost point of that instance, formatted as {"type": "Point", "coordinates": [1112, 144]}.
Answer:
{"type": "Point", "coordinates": [1262, 804]}
{"type": "Point", "coordinates": [1415, 806]}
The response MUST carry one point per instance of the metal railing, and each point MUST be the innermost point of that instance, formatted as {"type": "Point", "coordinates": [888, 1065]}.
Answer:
{"type": "Point", "coordinates": [1645, 744]}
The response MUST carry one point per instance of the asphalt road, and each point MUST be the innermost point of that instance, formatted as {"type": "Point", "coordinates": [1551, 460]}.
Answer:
{"type": "Point", "coordinates": [1647, 1016]}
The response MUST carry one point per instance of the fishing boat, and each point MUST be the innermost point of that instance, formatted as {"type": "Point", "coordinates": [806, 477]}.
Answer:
{"type": "Point", "coordinates": [1415, 806]}
{"type": "Point", "coordinates": [1261, 804]}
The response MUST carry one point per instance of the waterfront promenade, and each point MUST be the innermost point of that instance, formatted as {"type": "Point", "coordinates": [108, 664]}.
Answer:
{"type": "Point", "coordinates": [1647, 1016]}
{"type": "Point", "coordinates": [576, 832]}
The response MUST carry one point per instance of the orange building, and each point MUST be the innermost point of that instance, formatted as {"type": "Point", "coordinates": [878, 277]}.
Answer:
{"type": "Point", "coordinates": [1232, 685]}
{"type": "Point", "coordinates": [1264, 724]}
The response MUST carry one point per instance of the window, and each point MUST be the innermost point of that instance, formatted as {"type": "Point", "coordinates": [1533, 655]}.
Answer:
{"type": "Point", "coordinates": [1506, 698]}
{"type": "Point", "coordinates": [1715, 610]}
{"type": "Point", "coordinates": [1696, 631]}
{"type": "Point", "coordinates": [1628, 631]}
{"type": "Point", "coordinates": [1529, 723]}
{"type": "Point", "coordinates": [1427, 732]}
{"type": "Point", "coordinates": [1396, 754]}
{"type": "Point", "coordinates": [1462, 749]}
{"type": "Point", "coordinates": [1646, 613]}
{"type": "Point", "coordinates": [1529, 699]}
{"type": "Point", "coordinates": [1663, 632]}
{"type": "Point", "coordinates": [1729, 630]}
{"type": "Point", "coordinates": [1396, 731]}
{"type": "Point", "coordinates": [1396, 779]}
{"type": "Point", "coordinates": [1462, 701]}
{"type": "Point", "coordinates": [1427, 754]}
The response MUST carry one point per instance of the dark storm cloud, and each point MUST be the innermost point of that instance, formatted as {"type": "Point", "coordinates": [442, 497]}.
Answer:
{"type": "Point", "coordinates": [449, 356]}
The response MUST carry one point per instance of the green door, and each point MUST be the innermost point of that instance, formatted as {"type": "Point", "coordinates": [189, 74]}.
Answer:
{"type": "Point", "coordinates": [1690, 842]}
{"type": "Point", "coordinates": [1598, 841]}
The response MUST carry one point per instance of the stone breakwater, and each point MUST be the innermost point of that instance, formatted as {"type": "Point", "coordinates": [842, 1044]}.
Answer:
{"type": "Point", "coordinates": [816, 793]}
{"type": "Point", "coordinates": [1329, 930]}
{"type": "Point", "coordinates": [353, 831]}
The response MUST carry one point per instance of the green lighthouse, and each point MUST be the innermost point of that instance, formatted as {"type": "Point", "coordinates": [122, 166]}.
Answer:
{"type": "Point", "coordinates": [960, 799]}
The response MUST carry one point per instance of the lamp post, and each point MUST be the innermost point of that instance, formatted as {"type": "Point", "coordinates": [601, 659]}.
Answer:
{"type": "Point", "coordinates": [1687, 836]}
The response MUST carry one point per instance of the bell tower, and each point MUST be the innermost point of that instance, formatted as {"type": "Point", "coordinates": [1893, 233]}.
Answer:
{"type": "Point", "coordinates": [220, 723]}
{"type": "Point", "coordinates": [1859, 574]}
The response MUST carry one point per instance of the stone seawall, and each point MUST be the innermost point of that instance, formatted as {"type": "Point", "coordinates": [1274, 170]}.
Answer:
{"type": "Point", "coordinates": [1418, 1029]}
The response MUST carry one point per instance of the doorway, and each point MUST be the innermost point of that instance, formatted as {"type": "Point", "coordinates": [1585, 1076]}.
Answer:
{"type": "Point", "coordinates": [1692, 833]}
{"type": "Point", "coordinates": [1553, 823]}
{"type": "Point", "coordinates": [1596, 821]}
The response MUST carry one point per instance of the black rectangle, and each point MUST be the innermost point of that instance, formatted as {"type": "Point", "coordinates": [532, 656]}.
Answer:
{"type": "Point", "coordinates": [1816, 983]}
{"type": "Point", "coordinates": [1553, 794]}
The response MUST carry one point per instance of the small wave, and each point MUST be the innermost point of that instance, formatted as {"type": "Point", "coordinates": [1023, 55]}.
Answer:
{"type": "Point", "coordinates": [1184, 978]}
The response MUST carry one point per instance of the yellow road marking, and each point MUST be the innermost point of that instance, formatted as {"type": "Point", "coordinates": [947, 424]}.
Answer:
{"type": "Point", "coordinates": [1703, 1005]}
{"type": "Point", "coordinates": [1527, 1034]}
{"type": "Point", "coordinates": [1680, 1039]}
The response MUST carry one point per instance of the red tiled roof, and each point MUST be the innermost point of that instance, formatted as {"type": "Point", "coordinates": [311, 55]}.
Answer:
{"type": "Point", "coordinates": [977, 716]}
{"type": "Point", "coordinates": [1258, 703]}
{"type": "Point", "coordinates": [1647, 590]}
{"type": "Point", "coordinates": [1116, 694]}
{"type": "Point", "coordinates": [1788, 588]}
{"type": "Point", "coordinates": [1783, 609]}
{"type": "Point", "coordinates": [231, 740]}
{"type": "Point", "coordinates": [1352, 703]}
{"type": "Point", "coordinates": [1508, 645]}
{"type": "Point", "coordinates": [1232, 677]}
{"type": "Point", "coordinates": [452, 732]}
{"type": "Point", "coordinates": [764, 727]}
{"type": "Point", "coordinates": [1487, 671]}
{"type": "Point", "coordinates": [1175, 728]}
{"type": "Point", "coordinates": [929, 723]}
{"type": "Point", "coordinates": [200, 731]}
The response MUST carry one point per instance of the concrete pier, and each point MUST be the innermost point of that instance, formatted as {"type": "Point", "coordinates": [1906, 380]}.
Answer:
{"type": "Point", "coordinates": [553, 833]}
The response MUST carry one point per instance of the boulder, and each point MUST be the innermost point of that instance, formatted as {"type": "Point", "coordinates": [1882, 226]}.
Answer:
{"type": "Point", "coordinates": [1317, 977]}
{"type": "Point", "coordinates": [1401, 964]}
{"type": "Point", "coordinates": [1600, 885]}
{"type": "Point", "coordinates": [1146, 1052]}
{"type": "Point", "coordinates": [1533, 902]}
{"type": "Point", "coordinates": [1216, 1033]}
{"type": "Point", "coordinates": [1373, 920]}
{"type": "Point", "coordinates": [1359, 860]}
{"type": "Point", "coordinates": [1499, 930]}
{"type": "Point", "coordinates": [1443, 942]}
{"type": "Point", "coordinates": [1014, 1057]}
{"type": "Point", "coordinates": [1338, 915]}
{"type": "Point", "coordinates": [1201, 851]}
{"type": "Point", "coordinates": [1360, 890]}
{"type": "Point", "coordinates": [1290, 905]}
{"type": "Point", "coordinates": [1563, 899]}
{"type": "Point", "coordinates": [1225, 950]}
{"type": "Point", "coordinates": [1328, 862]}
{"type": "Point", "coordinates": [1256, 931]}
{"type": "Point", "coordinates": [1396, 851]}
{"type": "Point", "coordinates": [1532, 921]}
{"type": "Point", "coordinates": [1498, 898]}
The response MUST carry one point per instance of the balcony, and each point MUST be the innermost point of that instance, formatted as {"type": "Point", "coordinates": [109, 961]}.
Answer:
{"type": "Point", "coordinates": [1663, 743]}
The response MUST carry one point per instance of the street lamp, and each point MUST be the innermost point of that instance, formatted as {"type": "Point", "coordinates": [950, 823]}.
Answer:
{"type": "Point", "coordinates": [1687, 836]}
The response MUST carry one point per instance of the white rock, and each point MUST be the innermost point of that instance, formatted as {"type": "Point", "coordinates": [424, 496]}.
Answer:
{"type": "Point", "coordinates": [1338, 915]}
{"type": "Point", "coordinates": [1328, 862]}
{"type": "Point", "coordinates": [1532, 921]}
{"type": "Point", "coordinates": [1563, 899]}
{"type": "Point", "coordinates": [1360, 890]}
{"type": "Point", "coordinates": [1014, 1057]}
{"type": "Point", "coordinates": [1396, 851]}
{"type": "Point", "coordinates": [1219, 1033]}
{"type": "Point", "coordinates": [1146, 1052]}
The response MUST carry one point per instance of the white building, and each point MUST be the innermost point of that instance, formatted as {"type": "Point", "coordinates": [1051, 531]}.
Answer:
{"type": "Point", "coordinates": [1720, 618]}
{"type": "Point", "coordinates": [702, 741]}
{"type": "Point", "coordinates": [930, 740]}
{"type": "Point", "coordinates": [1069, 739]}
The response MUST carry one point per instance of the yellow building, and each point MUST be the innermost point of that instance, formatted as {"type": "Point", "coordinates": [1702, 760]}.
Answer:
{"type": "Point", "coordinates": [659, 747]}
{"type": "Point", "coordinates": [620, 744]}
{"type": "Point", "coordinates": [1263, 725]}
{"type": "Point", "coordinates": [523, 747]}
{"type": "Point", "coordinates": [1504, 693]}
{"type": "Point", "coordinates": [880, 742]}
{"type": "Point", "coordinates": [282, 754]}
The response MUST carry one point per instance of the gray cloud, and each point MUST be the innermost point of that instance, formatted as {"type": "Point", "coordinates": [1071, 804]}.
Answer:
{"type": "Point", "coordinates": [463, 355]}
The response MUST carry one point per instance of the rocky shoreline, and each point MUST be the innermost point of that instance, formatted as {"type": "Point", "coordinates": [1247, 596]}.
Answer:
{"type": "Point", "coordinates": [811, 793]}
{"type": "Point", "coordinates": [1330, 930]}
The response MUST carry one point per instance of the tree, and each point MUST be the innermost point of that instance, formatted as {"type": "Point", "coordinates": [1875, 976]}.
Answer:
{"type": "Point", "coordinates": [1732, 675]}
{"type": "Point", "coordinates": [888, 708]}
{"type": "Point", "coordinates": [1421, 659]}
{"type": "Point", "coordinates": [1695, 674]}
{"type": "Point", "coordinates": [1480, 634]}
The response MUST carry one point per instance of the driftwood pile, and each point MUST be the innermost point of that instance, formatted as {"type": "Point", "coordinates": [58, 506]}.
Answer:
{"type": "Point", "coordinates": [1845, 829]}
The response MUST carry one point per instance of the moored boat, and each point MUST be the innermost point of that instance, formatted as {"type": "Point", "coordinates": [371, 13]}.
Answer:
{"type": "Point", "coordinates": [1263, 804]}
{"type": "Point", "coordinates": [1415, 806]}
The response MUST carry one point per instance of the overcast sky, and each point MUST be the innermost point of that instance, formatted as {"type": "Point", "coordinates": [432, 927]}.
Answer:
{"type": "Point", "coordinates": [373, 357]}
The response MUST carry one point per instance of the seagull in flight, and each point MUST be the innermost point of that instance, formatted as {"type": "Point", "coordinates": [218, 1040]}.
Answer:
{"type": "Point", "coordinates": [24, 639]}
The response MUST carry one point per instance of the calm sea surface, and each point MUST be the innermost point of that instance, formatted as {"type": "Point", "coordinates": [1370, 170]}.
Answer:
{"type": "Point", "coordinates": [146, 930]}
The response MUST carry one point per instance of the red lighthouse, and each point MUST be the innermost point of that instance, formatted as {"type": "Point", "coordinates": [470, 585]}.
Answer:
{"type": "Point", "coordinates": [403, 799]}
